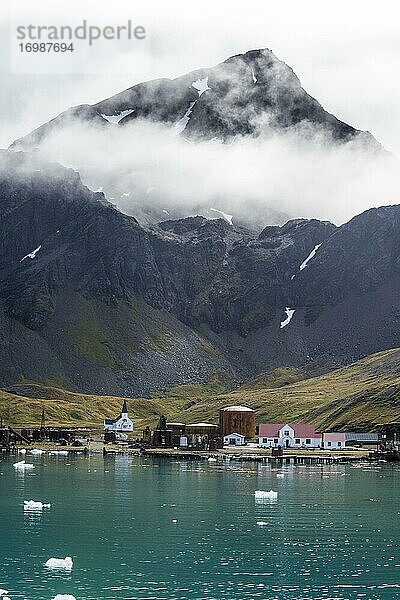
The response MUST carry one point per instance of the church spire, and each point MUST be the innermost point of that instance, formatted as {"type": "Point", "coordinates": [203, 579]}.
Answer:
{"type": "Point", "coordinates": [124, 408]}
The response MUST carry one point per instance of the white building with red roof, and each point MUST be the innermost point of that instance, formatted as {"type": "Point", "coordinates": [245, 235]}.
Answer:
{"type": "Point", "coordinates": [288, 435]}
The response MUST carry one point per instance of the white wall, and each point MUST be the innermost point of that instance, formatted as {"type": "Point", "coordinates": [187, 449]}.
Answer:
{"type": "Point", "coordinates": [234, 440]}
{"type": "Point", "coordinates": [123, 424]}
{"type": "Point", "coordinates": [302, 443]}
{"type": "Point", "coordinates": [330, 445]}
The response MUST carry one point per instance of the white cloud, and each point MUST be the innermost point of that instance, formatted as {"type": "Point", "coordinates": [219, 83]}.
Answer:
{"type": "Point", "coordinates": [293, 173]}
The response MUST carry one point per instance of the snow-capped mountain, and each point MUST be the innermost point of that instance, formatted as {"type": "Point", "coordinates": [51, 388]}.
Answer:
{"type": "Point", "coordinates": [221, 140]}
{"type": "Point", "coordinates": [241, 96]}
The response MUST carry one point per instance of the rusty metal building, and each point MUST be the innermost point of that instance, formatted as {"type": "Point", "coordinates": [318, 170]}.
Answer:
{"type": "Point", "coordinates": [208, 429]}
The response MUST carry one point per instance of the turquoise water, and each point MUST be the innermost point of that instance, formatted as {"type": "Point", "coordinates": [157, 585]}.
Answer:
{"type": "Point", "coordinates": [333, 533]}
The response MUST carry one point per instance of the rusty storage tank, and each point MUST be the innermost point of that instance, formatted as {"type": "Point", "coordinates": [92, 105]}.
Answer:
{"type": "Point", "coordinates": [237, 419]}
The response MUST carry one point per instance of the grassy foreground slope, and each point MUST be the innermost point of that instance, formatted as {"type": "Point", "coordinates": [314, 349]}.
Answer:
{"type": "Point", "coordinates": [363, 395]}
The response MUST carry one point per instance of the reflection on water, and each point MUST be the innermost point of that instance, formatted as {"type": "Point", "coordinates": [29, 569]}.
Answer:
{"type": "Point", "coordinates": [152, 528]}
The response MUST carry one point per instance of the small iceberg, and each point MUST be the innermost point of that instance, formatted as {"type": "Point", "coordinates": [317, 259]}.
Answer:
{"type": "Point", "coordinates": [32, 505]}
{"type": "Point", "coordinates": [21, 451]}
{"type": "Point", "coordinates": [3, 592]}
{"type": "Point", "coordinates": [64, 564]}
{"type": "Point", "coordinates": [212, 459]}
{"type": "Point", "coordinates": [22, 465]}
{"type": "Point", "coordinates": [262, 523]}
{"type": "Point", "coordinates": [280, 475]}
{"type": "Point", "coordinates": [64, 597]}
{"type": "Point", "coordinates": [36, 451]}
{"type": "Point", "coordinates": [261, 495]}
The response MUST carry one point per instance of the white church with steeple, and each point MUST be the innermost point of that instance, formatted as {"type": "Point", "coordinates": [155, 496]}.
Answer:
{"type": "Point", "coordinates": [121, 423]}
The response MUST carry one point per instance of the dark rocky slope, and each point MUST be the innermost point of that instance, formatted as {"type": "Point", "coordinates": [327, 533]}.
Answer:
{"type": "Point", "coordinates": [104, 305]}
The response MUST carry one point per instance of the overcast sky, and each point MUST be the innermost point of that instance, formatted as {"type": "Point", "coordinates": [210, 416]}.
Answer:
{"type": "Point", "coordinates": [347, 54]}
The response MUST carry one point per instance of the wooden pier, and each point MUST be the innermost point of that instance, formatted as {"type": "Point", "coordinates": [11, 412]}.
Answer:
{"type": "Point", "coordinates": [287, 459]}
{"type": "Point", "coordinates": [9, 438]}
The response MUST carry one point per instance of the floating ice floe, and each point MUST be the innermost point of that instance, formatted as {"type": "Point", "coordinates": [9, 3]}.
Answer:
{"type": "Point", "coordinates": [201, 85]}
{"type": "Point", "coordinates": [32, 254]}
{"type": "Point", "coordinates": [212, 459]}
{"type": "Point", "coordinates": [65, 564]}
{"type": "Point", "coordinates": [36, 451]}
{"type": "Point", "coordinates": [64, 597]}
{"type": "Point", "coordinates": [280, 475]}
{"type": "Point", "coordinates": [115, 119]}
{"type": "Point", "coordinates": [22, 451]}
{"type": "Point", "coordinates": [262, 523]}
{"type": "Point", "coordinates": [3, 592]}
{"type": "Point", "coordinates": [59, 452]}
{"type": "Point", "coordinates": [22, 465]}
{"type": "Point", "coordinates": [289, 314]}
{"type": "Point", "coordinates": [33, 506]}
{"type": "Point", "coordinates": [262, 495]}
{"type": "Point", "coordinates": [225, 215]}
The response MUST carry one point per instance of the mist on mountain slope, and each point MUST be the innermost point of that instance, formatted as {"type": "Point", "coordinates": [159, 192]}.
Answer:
{"type": "Point", "coordinates": [147, 168]}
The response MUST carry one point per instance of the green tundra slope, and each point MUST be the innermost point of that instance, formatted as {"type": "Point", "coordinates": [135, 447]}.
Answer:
{"type": "Point", "coordinates": [364, 395]}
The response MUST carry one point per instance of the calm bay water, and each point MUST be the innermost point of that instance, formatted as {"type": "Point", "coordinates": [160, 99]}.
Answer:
{"type": "Point", "coordinates": [333, 533]}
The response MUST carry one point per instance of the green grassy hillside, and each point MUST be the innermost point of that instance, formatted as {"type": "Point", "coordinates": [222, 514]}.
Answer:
{"type": "Point", "coordinates": [363, 395]}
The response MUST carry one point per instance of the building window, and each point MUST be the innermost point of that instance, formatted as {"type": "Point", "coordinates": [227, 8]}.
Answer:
{"type": "Point", "coordinates": [265, 440]}
{"type": "Point", "coordinates": [276, 440]}
{"type": "Point", "coordinates": [297, 440]}
{"type": "Point", "coordinates": [286, 433]}
{"type": "Point", "coordinates": [329, 443]}
{"type": "Point", "coordinates": [308, 441]}
{"type": "Point", "coordinates": [339, 444]}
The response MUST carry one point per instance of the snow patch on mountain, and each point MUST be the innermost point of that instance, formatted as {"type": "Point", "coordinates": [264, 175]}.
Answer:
{"type": "Point", "coordinates": [253, 76]}
{"type": "Point", "coordinates": [225, 215]}
{"type": "Point", "coordinates": [307, 260]}
{"type": "Point", "coordinates": [115, 119]}
{"type": "Point", "coordinates": [309, 257]}
{"type": "Point", "coordinates": [289, 314]}
{"type": "Point", "coordinates": [32, 254]}
{"type": "Point", "coordinates": [201, 85]}
{"type": "Point", "coordinates": [181, 124]}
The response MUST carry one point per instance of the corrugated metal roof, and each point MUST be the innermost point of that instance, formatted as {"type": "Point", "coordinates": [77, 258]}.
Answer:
{"type": "Point", "coordinates": [237, 409]}
{"type": "Point", "coordinates": [201, 425]}
{"type": "Point", "coordinates": [270, 429]}
{"type": "Point", "coordinates": [301, 430]}
{"type": "Point", "coordinates": [361, 437]}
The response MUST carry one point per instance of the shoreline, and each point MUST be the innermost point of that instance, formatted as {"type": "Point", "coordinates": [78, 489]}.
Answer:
{"type": "Point", "coordinates": [221, 455]}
